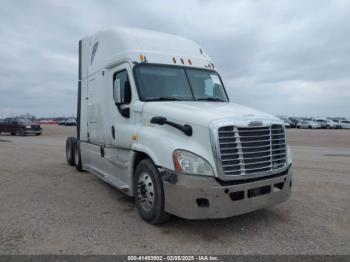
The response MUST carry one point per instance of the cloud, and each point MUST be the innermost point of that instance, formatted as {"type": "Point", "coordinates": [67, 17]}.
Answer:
{"type": "Point", "coordinates": [284, 57]}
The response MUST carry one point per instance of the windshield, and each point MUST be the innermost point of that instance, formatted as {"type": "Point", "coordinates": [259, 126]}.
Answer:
{"type": "Point", "coordinates": [161, 83]}
{"type": "Point", "coordinates": [24, 121]}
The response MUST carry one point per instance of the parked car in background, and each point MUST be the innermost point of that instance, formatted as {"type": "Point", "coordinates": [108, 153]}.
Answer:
{"type": "Point", "coordinates": [293, 122]}
{"type": "Point", "coordinates": [325, 123]}
{"type": "Point", "coordinates": [308, 124]}
{"type": "Point", "coordinates": [336, 123]}
{"type": "Point", "coordinates": [62, 122]}
{"type": "Point", "coordinates": [48, 122]}
{"type": "Point", "coordinates": [19, 126]}
{"type": "Point", "coordinates": [70, 122]}
{"type": "Point", "coordinates": [287, 123]}
{"type": "Point", "coordinates": [344, 124]}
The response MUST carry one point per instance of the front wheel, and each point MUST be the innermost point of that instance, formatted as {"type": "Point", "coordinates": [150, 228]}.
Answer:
{"type": "Point", "coordinates": [149, 193]}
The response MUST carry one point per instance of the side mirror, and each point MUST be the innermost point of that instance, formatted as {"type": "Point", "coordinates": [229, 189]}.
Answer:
{"type": "Point", "coordinates": [122, 94]}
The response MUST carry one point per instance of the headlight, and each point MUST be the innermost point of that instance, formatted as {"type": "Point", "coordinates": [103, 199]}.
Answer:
{"type": "Point", "coordinates": [289, 156]}
{"type": "Point", "coordinates": [28, 126]}
{"type": "Point", "coordinates": [189, 163]}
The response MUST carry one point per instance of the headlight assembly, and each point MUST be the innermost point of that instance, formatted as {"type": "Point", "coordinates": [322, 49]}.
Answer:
{"type": "Point", "coordinates": [189, 163]}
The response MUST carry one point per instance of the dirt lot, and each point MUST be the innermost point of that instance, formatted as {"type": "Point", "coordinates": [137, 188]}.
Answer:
{"type": "Point", "coordinates": [48, 207]}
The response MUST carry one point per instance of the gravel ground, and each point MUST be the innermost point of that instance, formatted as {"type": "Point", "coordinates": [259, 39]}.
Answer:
{"type": "Point", "coordinates": [46, 207]}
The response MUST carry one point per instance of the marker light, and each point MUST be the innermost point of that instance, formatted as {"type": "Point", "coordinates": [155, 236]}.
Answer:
{"type": "Point", "coordinates": [142, 58]}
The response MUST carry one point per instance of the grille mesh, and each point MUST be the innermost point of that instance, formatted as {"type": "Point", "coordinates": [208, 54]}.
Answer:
{"type": "Point", "coordinates": [251, 150]}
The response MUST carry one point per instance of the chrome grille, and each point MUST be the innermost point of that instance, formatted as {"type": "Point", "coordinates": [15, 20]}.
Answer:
{"type": "Point", "coordinates": [251, 150]}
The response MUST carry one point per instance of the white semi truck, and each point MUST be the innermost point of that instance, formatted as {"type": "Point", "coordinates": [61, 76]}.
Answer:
{"type": "Point", "coordinates": [155, 121]}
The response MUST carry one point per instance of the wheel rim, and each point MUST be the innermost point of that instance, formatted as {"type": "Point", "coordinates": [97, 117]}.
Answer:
{"type": "Point", "coordinates": [145, 191]}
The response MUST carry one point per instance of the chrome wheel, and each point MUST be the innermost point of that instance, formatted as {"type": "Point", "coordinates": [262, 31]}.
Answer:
{"type": "Point", "coordinates": [145, 191]}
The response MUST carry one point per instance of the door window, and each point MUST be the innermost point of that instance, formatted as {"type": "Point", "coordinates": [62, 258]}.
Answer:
{"type": "Point", "coordinates": [123, 79]}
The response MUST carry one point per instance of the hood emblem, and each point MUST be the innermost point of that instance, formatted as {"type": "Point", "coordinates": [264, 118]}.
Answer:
{"type": "Point", "coordinates": [255, 123]}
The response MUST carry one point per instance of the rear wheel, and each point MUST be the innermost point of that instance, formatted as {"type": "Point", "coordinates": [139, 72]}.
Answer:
{"type": "Point", "coordinates": [77, 157]}
{"type": "Point", "coordinates": [70, 150]}
{"type": "Point", "coordinates": [149, 193]}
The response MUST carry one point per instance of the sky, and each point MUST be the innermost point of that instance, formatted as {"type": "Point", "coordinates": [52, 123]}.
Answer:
{"type": "Point", "coordinates": [282, 57]}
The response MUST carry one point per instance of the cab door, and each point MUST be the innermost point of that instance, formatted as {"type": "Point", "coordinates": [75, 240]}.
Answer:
{"type": "Point", "coordinates": [122, 126]}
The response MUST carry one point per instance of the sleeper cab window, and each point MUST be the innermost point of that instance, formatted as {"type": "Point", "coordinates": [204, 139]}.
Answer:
{"type": "Point", "coordinates": [93, 53]}
{"type": "Point", "coordinates": [122, 79]}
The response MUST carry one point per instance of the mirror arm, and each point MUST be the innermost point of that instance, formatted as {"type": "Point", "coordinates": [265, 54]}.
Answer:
{"type": "Point", "coordinates": [159, 120]}
{"type": "Point", "coordinates": [125, 112]}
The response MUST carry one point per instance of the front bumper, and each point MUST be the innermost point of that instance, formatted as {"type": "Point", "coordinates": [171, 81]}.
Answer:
{"type": "Point", "coordinates": [198, 197]}
{"type": "Point", "coordinates": [32, 132]}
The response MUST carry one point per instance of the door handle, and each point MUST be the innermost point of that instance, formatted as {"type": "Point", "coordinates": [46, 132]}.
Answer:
{"type": "Point", "coordinates": [113, 132]}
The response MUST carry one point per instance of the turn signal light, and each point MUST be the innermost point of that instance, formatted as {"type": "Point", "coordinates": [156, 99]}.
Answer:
{"type": "Point", "coordinates": [142, 58]}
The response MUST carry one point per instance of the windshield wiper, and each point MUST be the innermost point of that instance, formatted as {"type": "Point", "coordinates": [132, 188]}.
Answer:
{"type": "Point", "coordinates": [211, 99]}
{"type": "Point", "coordinates": [166, 98]}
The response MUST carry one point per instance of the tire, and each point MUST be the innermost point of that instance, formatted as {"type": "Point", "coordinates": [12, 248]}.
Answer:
{"type": "Point", "coordinates": [38, 134]}
{"type": "Point", "coordinates": [77, 157]}
{"type": "Point", "coordinates": [328, 127]}
{"type": "Point", "coordinates": [150, 205]}
{"type": "Point", "coordinates": [70, 150]}
{"type": "Point", "coordinates": [13, 134]}
{"type": "Point", "coordinates": [310, 127]}
{"type": "Point", "coordinates": [21, 132]}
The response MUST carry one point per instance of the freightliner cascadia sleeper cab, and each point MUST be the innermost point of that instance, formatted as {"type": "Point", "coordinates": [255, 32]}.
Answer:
{"type": "Point", "coordinates": [155, 121]}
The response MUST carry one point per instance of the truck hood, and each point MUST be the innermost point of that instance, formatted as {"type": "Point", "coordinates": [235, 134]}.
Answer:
{"type": "Point", "coordinates": [202, 113]}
